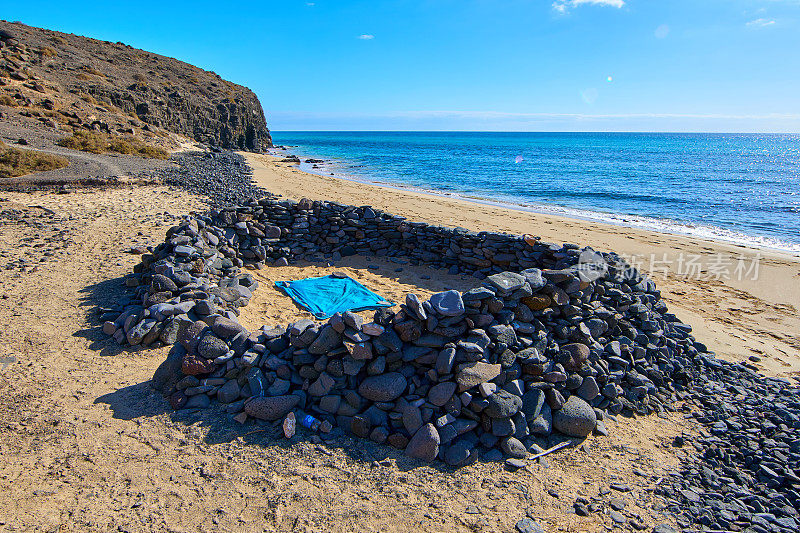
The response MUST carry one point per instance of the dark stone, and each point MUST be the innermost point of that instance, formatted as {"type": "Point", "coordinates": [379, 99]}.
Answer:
{"type": "Point", "coordinates": [415, 305]}
{"type": "Point", "coordinates": [271, 408]}
{"type": "Point", "coordinates": [459, 454]}
{"type": "Point", "coordinates": [322, 386]}
{"type": "Point", "coordinates": [578, 355]}
{"type": "Point", "coordinates": [326, 341]}
{"type": "Point", "coordinates": [513, 448]}
{"type": "Point", "coordinates": [532, 402]}
{"type": "Point", "coordinates": [526, 525]}
{"type": "Point", "coordinates": [448, 303]}
{"type": "Point", "coordinates": [441, 393]}
{"type": "Point", "coordinates": [229, 392]}
{"type": "Point", "coordinates": [575, 419]}
{"type": "Point", "coordinates": [506, 281]}
{"type": "Point", "coordinates": [424, 445]}
{"type": "Point", "coordinates": [225, 328]}
{"type": "Point", "coordinates": [211, 347]}
{"type": "Point", "coordinates": [383, 388]}
{"type": "Point", "coordinates": [502, 404]}
{"type": "Point", "coordinates": [588, 389]}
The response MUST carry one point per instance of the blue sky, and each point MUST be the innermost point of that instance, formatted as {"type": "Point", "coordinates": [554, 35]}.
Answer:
{"type": "Point", "coordinates": [508, 65]}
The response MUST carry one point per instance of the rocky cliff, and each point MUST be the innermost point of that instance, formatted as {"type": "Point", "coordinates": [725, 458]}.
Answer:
{"type": "Point", "coordinates": [85, 83]}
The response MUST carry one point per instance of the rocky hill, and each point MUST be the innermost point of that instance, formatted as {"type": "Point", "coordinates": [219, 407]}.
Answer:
{"type": "Point", "coordinates": [68, 82]}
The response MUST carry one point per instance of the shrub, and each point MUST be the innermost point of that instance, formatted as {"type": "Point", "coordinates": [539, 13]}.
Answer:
{"type": "Point", "coordinates": [93, 71]}
{"type": "Point", "coordinates": [8, 101]}
{"type": "Point", "coordinates": [98, 143]}
{"type": "Point", "coordinates": [88, 98]}
{"type": "Point", "coordinates": [46, 51]}
{"type": "Point", "coordinates": [15, 162]}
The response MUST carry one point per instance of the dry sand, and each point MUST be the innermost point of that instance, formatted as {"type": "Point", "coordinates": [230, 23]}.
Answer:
{"type": "Point", "coordinates": [736, 318]}
{"type": "Point", "coordinates": [86, 445]}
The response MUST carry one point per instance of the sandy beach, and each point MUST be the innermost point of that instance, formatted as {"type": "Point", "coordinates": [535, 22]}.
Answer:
{"type": "Point", "coordinates": [741, 302]}
{"type": "Point", "coordinates": [109, 452]}
{"type": "Point", "coordinates": [86, 444]}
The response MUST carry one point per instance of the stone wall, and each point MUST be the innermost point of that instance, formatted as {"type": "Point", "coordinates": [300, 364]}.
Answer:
{"type": "Point", "coordinates": [556, 339]}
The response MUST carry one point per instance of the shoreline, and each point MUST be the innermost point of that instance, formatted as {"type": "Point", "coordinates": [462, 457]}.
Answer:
{"type": "Point", "coordinates": [737, 318]}
{"type": "Point", "coordinates": [710, 232]}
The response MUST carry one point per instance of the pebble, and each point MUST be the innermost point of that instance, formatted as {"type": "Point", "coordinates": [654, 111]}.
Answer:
{"type": "Point", "coordinates": [527, 525]}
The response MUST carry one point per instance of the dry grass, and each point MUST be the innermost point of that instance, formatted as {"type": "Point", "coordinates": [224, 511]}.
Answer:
{"type": "Point", "coordinates": [15, 162]}
{"type": "Point", "coordinates": [92, 71]}
{"type": "Point", "coordinates": [8, 101]}
{"type": "Point", "coordinates": [88, 98]}
{"type": "Point", "coordinates": [99, 143]}
{"type": "Point", "coordinates": [46, 51]}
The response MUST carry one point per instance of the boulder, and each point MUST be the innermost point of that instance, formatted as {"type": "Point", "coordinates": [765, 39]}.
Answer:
{"type": "Point", "coordinates": [424, 445]}
{"type": "Point", "coordinates": [271, 408]}
{"type": "Point", "coordinates": [575, 419]}
{"type": "Point", "coordinates": [472, 374]}
{"type": "Point", "coordinates": [507, 281]}
{"type": "Point", "coordinates": [383, 387]}
{"type": "Point", "coordinates": [502, 404]}
{"type": "Point", "coordinates": [211, 347]}
{"type": "Point", "coordinates": [225, 328]}
{"type": "Point", "coordinates": [448, 303]}
{"type": "Point", "coordinates": [441, 393]}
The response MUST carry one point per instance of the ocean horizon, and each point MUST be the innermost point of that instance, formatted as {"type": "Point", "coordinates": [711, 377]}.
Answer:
{"type": "Point", "coordinates": [740, 188]}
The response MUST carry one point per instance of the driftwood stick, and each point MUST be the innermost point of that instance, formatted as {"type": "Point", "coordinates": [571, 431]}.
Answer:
{"type": "Point", "coordinates": [551, 450]}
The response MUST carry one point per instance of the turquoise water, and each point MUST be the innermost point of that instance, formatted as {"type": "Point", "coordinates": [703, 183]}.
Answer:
{"type": "Point", "coordinates": [741, 188]}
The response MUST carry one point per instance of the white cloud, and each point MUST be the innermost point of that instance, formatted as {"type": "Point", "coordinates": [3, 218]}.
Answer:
{"type": "Point", "coordinates": [563, 6]}
{"type": "Point", "coordinates": [760, 23]}
{"type": "Point", "coordinates": [310, 4]}
{"type": "Point", "coordinates": [366, 37]}
{"type": "Point", "coordinates": [662, 31]}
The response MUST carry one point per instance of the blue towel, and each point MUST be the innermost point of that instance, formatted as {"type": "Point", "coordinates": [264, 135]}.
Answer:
{"type": "Point", "coordinates": [327, 295]}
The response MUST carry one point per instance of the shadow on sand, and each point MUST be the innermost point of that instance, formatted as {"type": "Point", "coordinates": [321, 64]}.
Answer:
{"type": "Point", "coordinates": [141, 400]}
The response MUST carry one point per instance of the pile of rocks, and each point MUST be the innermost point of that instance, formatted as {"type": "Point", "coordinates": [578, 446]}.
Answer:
{"type": "Point", "coordinates": [458, 376]}
{"type": "Point", "coordinates": [746, 473]}
{"type": "Point", "coordinates": [554, 341]}
{"type": "Point", "coordinates": [224, 177]}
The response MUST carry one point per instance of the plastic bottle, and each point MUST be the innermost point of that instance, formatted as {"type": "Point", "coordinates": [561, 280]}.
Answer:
{"type": "Point", "coordinates": [310, 422]}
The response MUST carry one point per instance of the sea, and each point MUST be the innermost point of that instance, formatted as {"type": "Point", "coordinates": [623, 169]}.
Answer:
{"type": "Point", "coordinates": [737, 188]}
